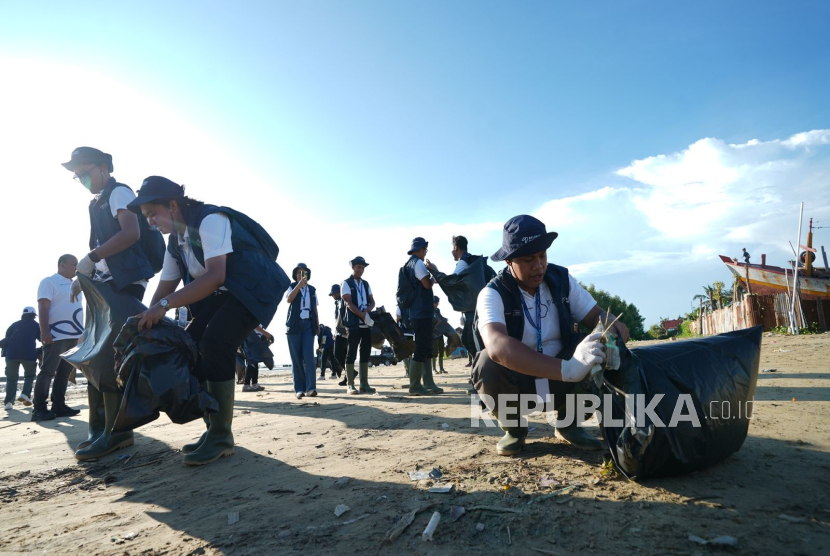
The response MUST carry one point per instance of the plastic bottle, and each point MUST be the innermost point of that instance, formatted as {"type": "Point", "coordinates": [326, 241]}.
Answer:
{"type": "Point", "coordinates": [183, 317]}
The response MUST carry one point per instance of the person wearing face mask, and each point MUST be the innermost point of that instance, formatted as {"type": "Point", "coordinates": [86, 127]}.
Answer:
{"type": "Point", "coordinates": [359, 301]}
{"type": "Point", "coordinates": [524, 327]}
{"type": "Point", "coordinates": [115, 258]}
{"type": "Point", "coordinates": [232, 284]}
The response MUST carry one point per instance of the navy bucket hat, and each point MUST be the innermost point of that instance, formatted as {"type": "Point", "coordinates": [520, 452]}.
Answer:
{"type": "Point", "coordinates": [155, 188]}
{"type": "Point", "coordinates": [523, 235]}
{"type": "Point", "coordinates": [335, 289]}
{"type": "Point", "coordinates": [417, 244]}
{"type": "Point", "coordinates": [87, 155]}
{"type": "Point", "coordinates": [298, 267]}
{"type": "Point", "coordinates": [358, 260]}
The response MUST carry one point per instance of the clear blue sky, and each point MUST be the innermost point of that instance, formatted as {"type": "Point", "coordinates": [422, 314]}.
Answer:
{"type": "Point", "coordinates": [408, 114]}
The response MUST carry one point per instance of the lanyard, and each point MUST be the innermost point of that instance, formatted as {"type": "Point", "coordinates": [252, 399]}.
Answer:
{"type": "Point", "coordinates": [538, 324]}
{"type": "Point", "coordinates": [304, 293]}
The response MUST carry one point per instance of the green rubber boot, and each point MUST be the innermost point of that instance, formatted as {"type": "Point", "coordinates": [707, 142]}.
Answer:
{"type": "Point", "coordinates": [416, 369]}
{"type": "Point", "coordinates": [429, 383]}
{"type": "Point", "coordinates": [578, 437]}
{"type": "Point", "coordinates": [219, 438]}
{"type": "Point", "coordinates": [97, 420]}
{"type": "Point", "coordinates": [350, 389]}
{"type": "Point", "coordinates": [406, 363]}
{"type": "Point", "coordinates": [187, 448]}
{"type": "Point", "coordinates": [107, 442]}
{"type": "Point", "coordinates": [514, 437]}
{"type": "Point", "coordinates": [364, 379]}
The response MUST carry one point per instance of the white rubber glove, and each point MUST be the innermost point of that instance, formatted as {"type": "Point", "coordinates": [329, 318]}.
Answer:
{"type": "Point", "coordinates": [86, 267]}
{"type": "Point", "coordinates": [588, 353]}
{"type": "Point", "coordinates": [368, 320]}
{"type": "Point", "coordinates": [74, 291]}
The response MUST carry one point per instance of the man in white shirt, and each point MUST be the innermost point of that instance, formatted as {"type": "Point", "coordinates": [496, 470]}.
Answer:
{"type": "Point", "coordinates": [359, 301]}
{"type": "Point", "coordinates": [524, 319]}
{"type": "Point", "coordinates": [61, 325]}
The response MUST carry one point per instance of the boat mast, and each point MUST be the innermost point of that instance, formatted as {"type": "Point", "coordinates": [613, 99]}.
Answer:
{"type": "Point", "coordinates": [793, 323]}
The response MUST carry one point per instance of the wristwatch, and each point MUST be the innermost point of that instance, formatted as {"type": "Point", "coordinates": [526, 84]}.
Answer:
{"type": "Point", "coordinates": [165, 304]}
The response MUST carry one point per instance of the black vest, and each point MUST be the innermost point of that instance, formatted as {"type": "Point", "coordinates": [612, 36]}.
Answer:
{"type": "Point", "coordinates": [131, 264]}
{"type": "Point", "coordinates": [251, 272]}
{"type": "Point", "coordinates": [350, 320]}
{"type": "Point", "coordinates": [556, 277]}
{"type": "Point", "coordinates": [293, 320]}
{"type": "Point", "coordinates": [422, 308]}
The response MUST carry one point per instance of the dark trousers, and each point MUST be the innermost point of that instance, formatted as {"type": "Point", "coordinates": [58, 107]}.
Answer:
{"type": "Point", "coordinates": [53, 368]}
{"type": "Point", "coordinates": [438, 352]}
{"type": "Point", "coordinates": [13, 374]}
{"type": "Point", "coordinates": [491, 379]}
{"type": "Point", "coordinates": [219, 325]}
{"type": "Point", "coordinates": [361, 337]}
{"type": "Point", "coordinates": [341, 347]}
{"type": "Point", "coordinates": [326, 359]}
{"type": "Point", "coordinates": [467, 333]}
{"type": "Point", "coordinates": [252, 374]}
{"type": "Point", "coordinates": [423, 339]}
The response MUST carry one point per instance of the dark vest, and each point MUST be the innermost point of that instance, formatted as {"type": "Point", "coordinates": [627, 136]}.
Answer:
{"type": "Point", "coordinates": [422, 308]}
{"type": "Point", "coordinates": [293, 320]}
{"type": "Point", "coordinates": [350, 320]}
{"type": "Point", "coordinates": [556, 277]}
{"type": "Point", "coordinates": [436, 317]}
{"type": "Point", "coordinates": [131, 264]}
{"type": "Point", "coordinates": [251, 273]}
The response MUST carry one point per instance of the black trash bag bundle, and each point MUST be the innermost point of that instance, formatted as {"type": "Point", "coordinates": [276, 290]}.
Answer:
{"type": "Point", "coordinates": [719, 374]}
{"type": "Point", "coordinates": [462, 289]}
{"type": "Point", "coordinates": [256, 349]}
{"type": "Point", "coordinates": [106, 312]}
{"type": "Point", "coordinates": [442, 327]}
{"type": "Point", "coordinates": [385, 328]}
{"type": "Point", "coordinates": [154, 366]}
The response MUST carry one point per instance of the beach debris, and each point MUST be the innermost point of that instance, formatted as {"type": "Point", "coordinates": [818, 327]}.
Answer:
{"type": "Point", "coordinates": [768, 370]}
{"type": "Point", "coordinates": [341, 509]}
{"type": "Point", "coordinates": [792, 519]}
{"type": "Point", "coordinates": [284, 534]}
{"type": "Point", "coordinates": [444, 488]}
{"type": "Point", "coordinates": [445, 425]}
{"type": "Point", "coordinates": [783, 350]}
{"type": "Point", "coordinates": [364, 516]}
{"type": "Point", "coordinates": [130, 536]}
{"type": "Point", "coordinates": [341, 482]}
{"type": "Point", "coordinates": [479, 527]}
{"type": "Point", "coordinates": [495, 509]}
{"type": "Point", "coordinates": [404, 522]}
{"type": "Point", "coordinates": [423, 475]}
{"type": "Point", "coordinates": [456, 512]}
{"type": "Point", "coordinates": [233, 517]}
{"type": "Point", "coordinates": [430, 530]}
{"type": "Point", "coordinates": [554, 494]}
{"type": "Point", "coordinates": [548, 482]}
{"type": "Point", "coordinates": [723, 540]}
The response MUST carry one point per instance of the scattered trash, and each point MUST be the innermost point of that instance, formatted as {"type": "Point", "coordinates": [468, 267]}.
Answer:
{"type": "Point", "coordinates": [768, 370]}
{"type": "Point", "coordinates": [456, 512]}
{"type": "Point", "coordinates": [302, 433]}
{"type": "Point", "coordinates": [792, 519]}
{"type": "Point", "coordinates": [423, 475]}
{"type": "Point", "coordinates": [724, 540]}
{"type": "Point", "coordinates": [444, 426]}
{"type": "Point", "coordinates": [22, 452]}
{"type": "Point", "coordinates": [479, 527]}
{"type": "Point", "coordinates": [233, 517]}
{"type": "Point", "coordinates": [379, 498]}
{"type": "Point", "coordinates": [783, 350]}
{"type": "Point", "coordinates": [547, 482]}
{"type": "Point", "coordinates": [130, 536]}
{"type": "Point", "coordinates": [553, 494]}
{"type": "Point", "coordinates": [341, 509]}
{"type": "Point", "coordinates": [284, 534]}
{"type": "Point", "coordinates": [445, 488]}
{"type": "Point", "coordinates": [531, 429]}
{"type": "Point", "coordinates": [341, 482]}
{"type": "Point", "coordinates": [430, 530]}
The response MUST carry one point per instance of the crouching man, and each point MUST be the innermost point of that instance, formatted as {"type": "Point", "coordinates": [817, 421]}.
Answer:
{"type": "Point", "coordinates": [524, 328]}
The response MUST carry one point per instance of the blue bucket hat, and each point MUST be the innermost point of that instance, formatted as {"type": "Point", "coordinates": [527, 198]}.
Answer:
{"type": "Point", "coordinates": [87, 155]}
{"type": "Point", "coordinates": [335, 289]}
{"type": "Point", "coordinates": [298, 267]}
{"type": "Point", "coordinates": [523, 235]}
{"type": "Point", "coordinates": [155, 188]}
{"type": "Point", "coordinates": [417, 244]}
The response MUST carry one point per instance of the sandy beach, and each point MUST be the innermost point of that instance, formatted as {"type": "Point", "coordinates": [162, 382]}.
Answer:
{"type": "Point", "coordinates": [297, 460]}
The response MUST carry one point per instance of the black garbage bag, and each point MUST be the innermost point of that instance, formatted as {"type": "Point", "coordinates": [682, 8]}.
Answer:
{"type": "Point", "coordinates": [240, 366]}
{"type": "Point", "coordinates": [462, 289]}
{"type": "Point", "coordinates": [154, 366]}
{"type": "Point", "coordinates": [106, 312]}
{"type": "Point", "coordinates": [442, 327]}
{"type": "Point", "coordinates": [385, 328]}
{"type": "Point", "coordinates": [718, 374]}
{"type": "Point", "coordinates": [256, 349]}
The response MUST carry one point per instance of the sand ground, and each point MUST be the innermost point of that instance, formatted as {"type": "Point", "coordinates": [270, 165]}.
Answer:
{"type": "Point", "coordinates": [296, 461]}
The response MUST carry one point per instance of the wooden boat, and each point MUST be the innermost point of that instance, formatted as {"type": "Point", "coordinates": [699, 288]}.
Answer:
{"type": "Point", "coordinates": [765, 279]}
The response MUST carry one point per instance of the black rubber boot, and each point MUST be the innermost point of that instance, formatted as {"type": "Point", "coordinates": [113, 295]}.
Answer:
{"type": "Point", "coordinates": [429, 383]}
{"type": "Point", "coordinates": [97, 419]}
{"type": "Point", "coordinates": [107, 442]}
{"type": "Point", "coordinates": [364, 379]}
{"type": "Point", "coordinates": [218, 440]}
{"type": "Point", "coordinates": [415, 372]}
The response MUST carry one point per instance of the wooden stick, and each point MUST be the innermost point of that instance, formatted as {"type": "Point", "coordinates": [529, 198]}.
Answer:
{"type": "Point", "coordinates": [494, 509]}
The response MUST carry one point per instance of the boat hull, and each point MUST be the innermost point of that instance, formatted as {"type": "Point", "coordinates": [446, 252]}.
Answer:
{"type": "Point", "coordinates": [768, 280]}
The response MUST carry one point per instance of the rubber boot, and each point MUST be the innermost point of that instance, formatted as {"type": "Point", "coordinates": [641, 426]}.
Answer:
{"type": "Point", "coordinates": [219, 438]}
{"type": "Point", "coordinates": [441, 370]}
{"type": "Point", "coordinates": [406, 363]}
{"type": "Point", "coordinates": [415, 372]}
{"type": "Point", "coordinates": [514, 437]}
{"type": "Point", "coordinates": [350, 389]}
{"type": "Point", "coordinates": [107, 442]}
{"type": "Point", "coordinates": [578, 437]}
{"type": "Point", "coordinates": [364, 379]}
{"type": "Point", "coordinates": [97, 420]}
{"type": "Point", "coordinates": [429, 383]}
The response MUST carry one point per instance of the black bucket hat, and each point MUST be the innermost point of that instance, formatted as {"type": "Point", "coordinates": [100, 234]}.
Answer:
{"type": "Point", "coordinates": [334, 289]}
{"type": "Point", "coordinates": [435, 299]}
{"type": "Point", "coordinates": [298, 267]}
{"type": "Point", "coordinates": [523, 235]}
{"type": "Point", "coordinates": [358, 260]}
{"type": "Point", "coordinates": [87, 155]}
{"type": "Point", "coordinates": [155, 188]}
{"type": "Point", "coordinates": [417, 244]}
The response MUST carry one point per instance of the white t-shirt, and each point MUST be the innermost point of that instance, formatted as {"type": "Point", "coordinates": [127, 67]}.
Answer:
{"type": "Point", "coordinates": [215, 232]}
{"type": "Point", "coordinates": [490, 308]}
{"type": "Point", "coordinates": [360, 297]}
{"type": "Point", "coordinates": [460, 265]}
{"type": "Point", "coordinates": [66, 319]}
{"type": "Point", "coordinates": [119, 199]}
{"type": "Point", "coordinates": [305, 301]}
{"type": "Point", "coordinates": [420, 269]}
